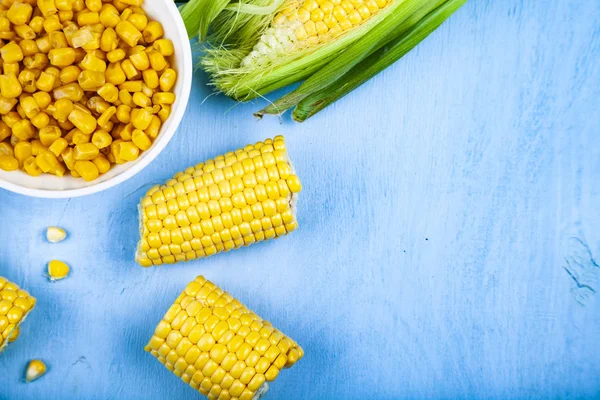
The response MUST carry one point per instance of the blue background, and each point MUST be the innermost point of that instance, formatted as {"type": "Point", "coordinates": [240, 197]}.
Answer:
{"type": "Point", "coordinates": [448, 228]}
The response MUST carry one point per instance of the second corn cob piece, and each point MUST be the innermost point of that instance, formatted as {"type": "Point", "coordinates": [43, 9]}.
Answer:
{"type": "Point", "coordinates": [218, 346]}
{"type": "Point", "coordinates": [234, 200]}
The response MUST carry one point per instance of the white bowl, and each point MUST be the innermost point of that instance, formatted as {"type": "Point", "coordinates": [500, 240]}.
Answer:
{"type": "Point", "coordinates": [49, 186]}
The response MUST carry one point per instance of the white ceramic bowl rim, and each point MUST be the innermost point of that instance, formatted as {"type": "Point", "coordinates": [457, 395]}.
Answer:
{"type": "Point", "coordinates": [184, 64]}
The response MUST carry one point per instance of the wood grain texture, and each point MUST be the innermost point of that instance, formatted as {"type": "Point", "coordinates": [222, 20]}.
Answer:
{"type": "Point", "coordinates": [448, 243]}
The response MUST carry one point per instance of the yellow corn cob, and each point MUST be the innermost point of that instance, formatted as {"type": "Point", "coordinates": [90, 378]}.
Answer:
{"type": "Point", "coordinates": [231, 201]}
{"type": "Point", "coordinates": [15, 305]}
{"type": "Point", "coordinates": [308, 23]}
{"type": "Point", "coordinates": [219, 347]}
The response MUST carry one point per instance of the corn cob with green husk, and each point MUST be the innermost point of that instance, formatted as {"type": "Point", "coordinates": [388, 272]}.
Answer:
{"type": "Point", "coordinates": [258, 46]}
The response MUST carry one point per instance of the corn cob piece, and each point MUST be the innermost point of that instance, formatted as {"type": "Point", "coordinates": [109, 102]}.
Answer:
{"type": "Point", "coordinates": [234, 200]}
{"type": "Point", "coordinates": [15, 305]}
{"type": "Point", "coordinates": [219, 347]}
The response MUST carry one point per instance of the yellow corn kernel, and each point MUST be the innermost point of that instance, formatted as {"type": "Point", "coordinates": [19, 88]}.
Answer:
{"type": "Point", "coordinates": [59, 41]}
{"type": "Point", "coordinates": [27, 80]}
{"type": "Point", "coordinates": [164, 47]}
{"type": "Point", "coordinates": [128, 33]}
{"type": "Point", "coordinates": [35, 370]}
{"type": "Point", "coordinates": [168, 79]}
{"type": "Point", "coordinates": [126, 131]}
{"type": "Point", "coordinates": [24, 32]}
{"type": "Point", "coordinates": [140, 21]}
{"type": "Point", "coordinates": [47, 7]}
{"type": "Point", "coordinates": [125, 98]}
{"type": "Point", "coordinates": [11, 68]}
{"type": "Point", "coordinates": [141, 100]}
{"type": "Point", "coordinates": [115, 55]}
{"type": "Point", "coordinates": [64, 4]}
{"type": "Point", "coordinates": [98, 104]}
{"type": "Point", "coordinates": [31, 167]}
{"type": "Point", "coordinates": [64, 16]}
{"type": "Point", "coordinates": [87, 170]}
{"type": "Point", "coordinates": [62, 57]}
{"type": "Point", "coordinates": [164, 113]}
{"type": "Point", "coordinates": [23, 130]}
{"type": "Point", "coordinates": [12, 118]}
{"type": "Point", "coordinates": [19, 13]}
{"type": "Point", "coordinates": [157, 60]}
{"type": "Point", "coordinates": [6, 105]}
{"type": "Point", "coordinates": [85, 152]}
{"type": "Point", "coordinates": [22, 151]}
{"type": "Point", "coordinates": [4, 23]}
{"type": "Point", "coordinates": [132, 86]}
{"type": "Point", "coordinates": [153, 31]}
{"type": "Point", "coordinates": [154, 128]}
{"type": "Point", "coordinates": [6, 149]}
{"type": "Point", "coordinates": [43, 99]}
{"type": "Point", "coordinates": [30, 107]}
{"type": "Point", "coordinates": [54, 234]}
{"type": "Point", "coordinates": [140, 139]}
{"type": "Point", "coordinates": [46, 82]}
{"type": "Point", "coordinates": [163, 98]}
{"type": "Point", "coordinates": [109, 16]}
{"type": "Point", "coordinates": [57, 270]}
{"type": "Point", "coordinates": [88, 18]}
{"type": "Point", "coordinates": [107, 115]}
{"type": "Point", "coordinates": [43, 43]}
{"type": "Point", "coordinates": [69, 74]}
{"type": "Point", "coordinates": [141, 118]}
{"type": "Point", "coordinates": [70, 91]}
{"type": "Point", "coordinates": [130, 70]}
{"type": "Point", "coordinates": [11, 53]}
{"type": "Point", "coordinates": [5, 131]}
{"type": "Point", "coordinates": [58, 146]}
{"type": "Point", "coordinates": [8, 163]}
{"type": "Point", "coordinates": [102, 164]}
{"type": "Point", "coordinates": [150, 78]}
{"type": "Point", "coordinates": [108, 40]}
{"type": "Point", "coordinates": [140, 60]}
{"type": "Point", "coordinates": [124, 113]}
{"type": "Point", "coordinates": [37, 147]}
{"type": "Point", "coordinates": [91, 80]}
{"type": "Point", "coordinates": [62, 109]}
{"type": "Point", "coordinates": [115, 74]}
{"type": "Point", "coordinates": [37, 24]}
{"type": "Point", "coordinates": [128, 151]}
{"type": "Point", "coordinates": [86, 123]}
{"type": "Point", "coordinates": [52, 24]}
{"type": "Point", "coordinates": [101, 139]}
{"type": "Point", "coordinates": [41, 120]}
{"type": "Point", "coordinates": [93, 63]}
{"type": "Point", "coordinates": [49, 134]}
{"type": "Point", "coordinates": [135, 3]}
{"type": "Point", "coordinates": [28, 47]}
{"type": "Point", "coordinates": [47, 161]}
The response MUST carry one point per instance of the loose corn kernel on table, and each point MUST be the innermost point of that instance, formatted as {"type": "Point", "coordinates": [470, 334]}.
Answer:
{"type": "Point", "coordinates": [447, 245]}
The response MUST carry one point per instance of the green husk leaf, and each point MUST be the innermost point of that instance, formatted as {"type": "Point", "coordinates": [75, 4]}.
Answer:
{"type": "Point", "coordinates": [375, 63]}
{"type": "Point", "coordinates": [381, 34]}
{"type": "Point", "coordinates": [199, 14]}
{"type": "Point", "coordinates": [246, 83]}
{"type": "Point", "coordinates": [255, 9]}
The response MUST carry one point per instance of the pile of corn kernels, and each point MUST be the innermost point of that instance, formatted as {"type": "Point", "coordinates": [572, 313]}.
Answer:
{"type": "Point", "coordinates": [86, 84]}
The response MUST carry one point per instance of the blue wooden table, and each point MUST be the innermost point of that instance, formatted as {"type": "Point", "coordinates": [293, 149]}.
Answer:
{"type": "Point", "coordinates": [449, 227]}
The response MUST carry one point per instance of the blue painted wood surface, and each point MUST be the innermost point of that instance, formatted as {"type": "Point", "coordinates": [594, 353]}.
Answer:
{"type": "Point", "coordinates": [448, 231]}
